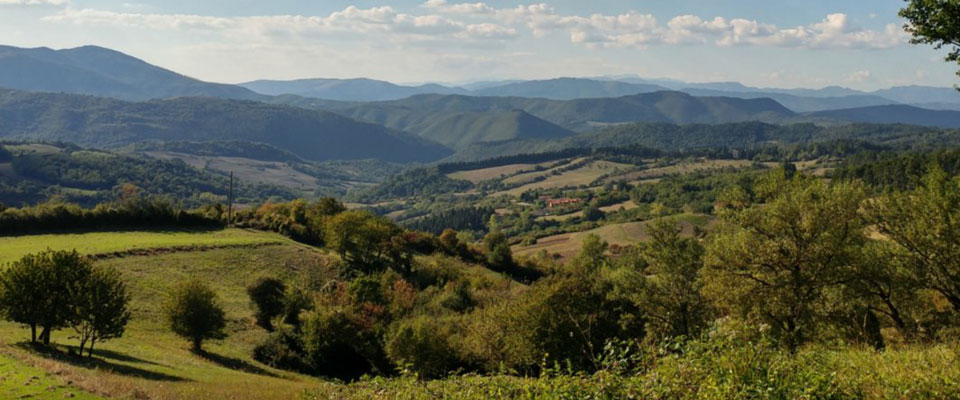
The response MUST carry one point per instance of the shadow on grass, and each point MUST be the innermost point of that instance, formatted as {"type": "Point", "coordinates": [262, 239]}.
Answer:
{"type": "Point", "coordinates": [121, 357]}
{"type": "Point", "coordinates": [235, 364]}
{"type": "Point", "coordinates": [54, 353]}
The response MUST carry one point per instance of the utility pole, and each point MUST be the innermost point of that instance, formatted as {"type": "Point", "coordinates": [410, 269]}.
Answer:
{"type": "Point", "coordinates": [230, 202]}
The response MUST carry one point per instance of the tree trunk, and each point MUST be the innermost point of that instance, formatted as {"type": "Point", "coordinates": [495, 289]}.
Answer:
{"type": "Point", "coordinates": [197, 345]}
{"type": "Point", "coordinates": [45, 335]}
{"type": "Point", "coordinates": [90, 350]}
{"type": "Point", "coordinates": [33, 333]}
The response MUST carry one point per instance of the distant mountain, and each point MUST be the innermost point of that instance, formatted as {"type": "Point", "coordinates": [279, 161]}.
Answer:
{"type": "Point", "coordinates": [568, 89]}
{"type": "Point", "coordinates": [576, 115]}
{"type": "Point", "coordinates": [920, 94]}
{"type": "Point", "coordinates": [102, 122]}
{"type": "Point", "coordinates": [895, 114]}
{"type": "Point", "coordinates": [346, 89]}
{"type": "Point", "coordinates": [800, 104]}
{"type": "Point", "coordinates": [102, 72]}
{"type": "Point", "coordinates": [457, 130]}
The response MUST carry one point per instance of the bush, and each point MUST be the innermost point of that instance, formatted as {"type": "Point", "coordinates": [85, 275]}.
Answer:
{"type": "Point", "coordinates": [267, 296]}
{"type": "Point", "coordinates": [282, 349]}
{"type": "Point", "coordinates": [422, 345]}
{"type": "Point", "coordinates": [194, 313]}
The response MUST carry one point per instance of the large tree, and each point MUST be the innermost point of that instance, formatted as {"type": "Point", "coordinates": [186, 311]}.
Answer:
{"type": "Point", "coordinates": [935, 22]}
{"type": "Point", "coordinates": [925, 226]}
{"type": "Point", "coordinates": [776, 262]}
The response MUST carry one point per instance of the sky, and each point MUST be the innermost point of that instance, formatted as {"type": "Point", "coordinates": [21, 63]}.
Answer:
{"type": "Point", "coordinates": [768, 43]}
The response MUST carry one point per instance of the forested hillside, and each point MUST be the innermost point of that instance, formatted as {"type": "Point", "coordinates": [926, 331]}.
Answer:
{"type": "Point", "coordinates": [102, 122]}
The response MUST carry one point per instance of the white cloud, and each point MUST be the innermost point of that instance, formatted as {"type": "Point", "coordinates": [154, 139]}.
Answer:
{"type": "Point", "coordinates": [859, 76]}
{"type": "Point", "coordinates": [34, 2]}
{"type": "Point", "coordinates": [471, 24]}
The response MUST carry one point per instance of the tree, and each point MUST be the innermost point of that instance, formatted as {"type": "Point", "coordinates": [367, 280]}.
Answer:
{"type": "Point", "coordinates": [775, 263]}
{"type": "Point", "coordinates": [21, 290]}
{"type": "Point", "coordinates": [668, 289]}
{"type": "Point", "coordinates": [925, 226]}
{"type": "Point", "coordinates": [935, 22]}
{"type": "Point", "coordinates": [592, 253]}
{"type": "Point", "coordinates": [497, 248]}
{"type": "Point", "coordinates": [194, 313]}
{"type": "Point", "coordinates": [267, 296]}
{"type": "Point", "coordinates": [592, 213]}
{"type": "Point", "coordinates": [360, 238]}
{"type": "Point", "coordinates": [99, 307]}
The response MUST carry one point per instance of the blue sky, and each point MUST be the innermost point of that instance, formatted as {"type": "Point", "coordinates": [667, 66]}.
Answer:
{"type": "Point", "coordinates": [852, 43]}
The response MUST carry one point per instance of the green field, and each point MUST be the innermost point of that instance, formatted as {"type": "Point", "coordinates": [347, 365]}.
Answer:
{"type": "Point", "coordinates": [21, 381]}
{"type": "Point", "coordinates": [149, 361]}
{"type": "Point", "coordinates": [15, 247]}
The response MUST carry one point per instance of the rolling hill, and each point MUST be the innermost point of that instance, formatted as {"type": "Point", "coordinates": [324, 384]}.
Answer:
{"type": "Point", "coordinates": [346, 89]}
{"type": "Point", "coordinates": [98, 71]}
{"type": "Point", "coordinates": [895, 114]}
{"type": "Point", "coordinates": [568, 89]}
{"type": "Point", "coordinates": [457, 130]}
{"type": "Point", "coordinates": [577, 115]}
{"type": "Point", "coordinates": [102, 122]}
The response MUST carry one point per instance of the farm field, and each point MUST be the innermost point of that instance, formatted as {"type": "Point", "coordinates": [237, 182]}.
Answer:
{"type": "Point", "coordinates": [479, 175]}
{"type": "Point", "coordinates": [583, 175]}
{"type": "Point", "coordinates": [254, 171]}
{"type": "Point", "coordinates": [568, 244]}
{"type": "Point", "coordinates": [151, 362]}
{"type": "Point", "coordinates": [685, 167]}
{"type": "Point", "coordinates": [15, 247]}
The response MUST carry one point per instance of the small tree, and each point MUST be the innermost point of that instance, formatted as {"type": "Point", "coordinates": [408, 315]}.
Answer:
{"type": "Point", "coordinates": [21, 290]}
{"type": "Point", "coordinates": [497, 249]}
{"type": "Point", "coordinates": [194, 313]}
{"type": "Point", "coordinates": [35, 290]}
{"type": "Point", "coordinates": [267, 295]}
{"type": "Point", "coordinates": [592, 253]}
{"type": "Point", "coordinates": [99, 307]}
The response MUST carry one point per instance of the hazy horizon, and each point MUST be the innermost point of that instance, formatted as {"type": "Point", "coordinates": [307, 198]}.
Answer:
{"type": "Point", "coordinates": [860, 45]}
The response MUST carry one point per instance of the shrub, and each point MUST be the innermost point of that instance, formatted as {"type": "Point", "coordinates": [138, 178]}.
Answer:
{"type": "Point", "coordinates": [422, 345]}
{"type": "Point", "coordinates": [267, 295]}
{"type": "Point", "coordinates": [282, 349]}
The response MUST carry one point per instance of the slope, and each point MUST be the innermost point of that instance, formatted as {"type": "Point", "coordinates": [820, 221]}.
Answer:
{"type": "Point", "coordinates": [895, 114]}
{"type": "Point", "coordinates": [460, 129]}
{"type": "Point", "coordinates": [101, 122]}
{"type": "Point", "coordinates": [577, 115]}
{"type": "Point", "coordinates": [102, 72]}
{"type": "Point", "coordinates": [346, 89]}
{"type": "Point", "coordinates": [568, 89]}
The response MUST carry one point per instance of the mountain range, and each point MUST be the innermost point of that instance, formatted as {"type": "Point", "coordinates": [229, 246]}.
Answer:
{"type": "Point", "coordinates": [103, 122]}
{"type": "Point", "coordinates": [99, 97]}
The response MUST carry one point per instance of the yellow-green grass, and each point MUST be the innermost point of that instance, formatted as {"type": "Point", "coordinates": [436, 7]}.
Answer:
{"type": "Point", "coordinates": [36, 148]}
{"type": "Point", "coordinates": [568, 244]}
{"type": "Point", "coordinates": [479, 175]}
{"type": "Point", "coordinates": [22, 381]}
{"type": "Point", "coordinates": [151, 362]}
{"type": "Point", "coordinates": [626, 205]}
{"type": "Point", "coordinates": [14, 247]}
{"type": "Point", "coordinates": [584, 175]}
{"type": "Point", "coordinates": [531, 176]}
{"type": "Point", "coordinates": [684, 167]}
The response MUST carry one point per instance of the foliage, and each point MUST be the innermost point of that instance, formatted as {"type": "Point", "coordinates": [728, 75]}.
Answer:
{"type": "Point", "coordinates": [267, 295]}
{"type": "Point", "coordinates": [99, 307]}
{"type": "Point", "coordinates": [193, 312]}
{"type": "Point", "coordinates": [922, 224]}
{"type": "Point", "coordinates": [360, 238]}
{"type": "Point", "coordinates": [419, 182]}
{"type": "Point", "coordinates": [422, 345]}
{"type": "Point", "coordinates": [667, 286]}
{"type": "Point", "coordinates": [935, 22]}
{"type": "Point", "coordinates": [497, 250]}
{"type": "Point", "coordinates": [775, 264]}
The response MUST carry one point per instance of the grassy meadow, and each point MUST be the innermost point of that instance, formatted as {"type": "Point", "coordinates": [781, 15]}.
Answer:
{"type": "Point", "coordinates": [149, 361]}
{"type": "Point", "coordinates": [91, 243]}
